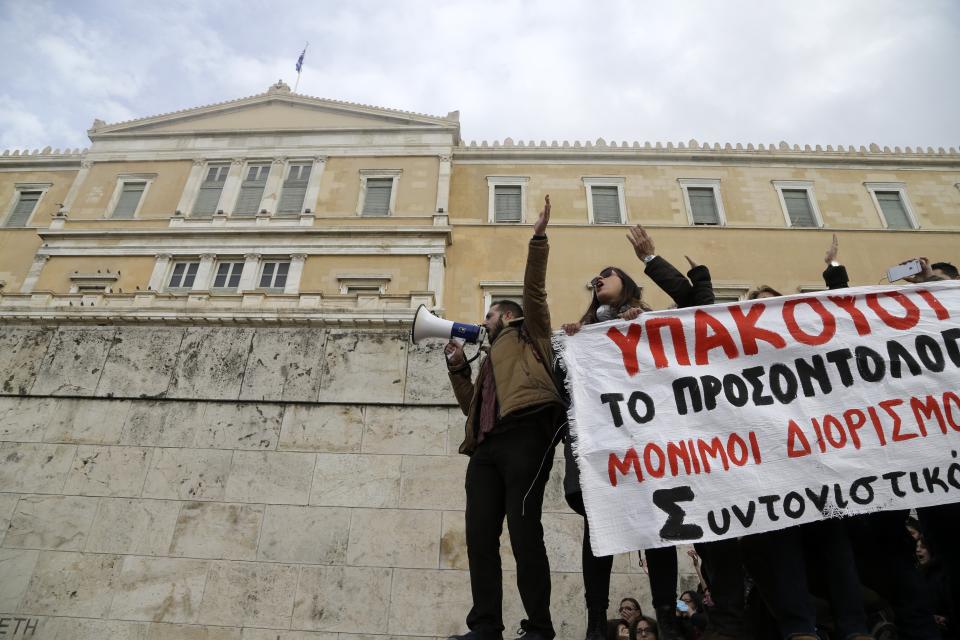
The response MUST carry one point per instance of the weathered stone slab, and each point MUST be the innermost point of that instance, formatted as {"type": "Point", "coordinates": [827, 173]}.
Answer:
{"type": "Point", "coordinates": [364, 367]}
{"type": "Point", "coordinates": [270, 476]}
{"type": "Point", "coordinates": [159, 589]}
{"type": "Point", "coordinates": [23, 349]}
{"type": "Point", "coordinates": [563, 537]}
{"type": "Point", "coordinates": [188, 474]}
{"type": "Point", "coordinates": [73, 362]}
{"type": "Point", "coordinates": [273, 634]}
{"type": "Point", "coordinates": [554, 497]}
{"type": "Point", "coordinates": [414, 430]}
{"type": "Point", "coordinates": [453, 544]}
{"type": "Point", "coordinates": [133, 527]}
{"type": "Point", "coordinates": [71, 584]}
{"type": "Point", "coordinates": [284, 364]}
{"type": "Point", "coordinates": [162, 423]}
{"type": "Point", "coordinates": [141, 362]}
{"type": "Point", "coordinates": [566, 602]}
{"type": "Point", "coordinates": [426, 380]}
{"type": "Point", "coordinates": [8, 502]}
{"type": "Point", "coordinates": [331, 428]}
{"type": "Point", "coordinates": [306, 535]}
{"type": "Point", "coordinates": [217, 531]}
{"type": "Point", "coordinates": [211, 363]}
{"type": "Point", "coordinates": [427, 602]}
{"type": "Point", "coordinates": [350, 480]}
{"type": "Point", "coordinates": [51, 522]}
{"type": "Point", "coordinates": [456, 422]}
{"type": "Point", "coordinates": [36, 468]}
{"type": "Point", "coordinates": [109, 471]}
{"type": "Point", "coordinates": [394, 538]}
{"type": "Point", "coordinates": [341, 599]}
{"type": "Point", "coordinates": [433, 482]}
{"type": "Point", "coordinates": [87, 421]}
{"type": "Point", "coordinates": [83, 629]}
{"type": "Point", "coordinates": [249, 594]}
{"type": "Point", "coordinates": [16, 567]}
{"type": "Point", "coordinates": [163, 631]}
{"type": "Point", "coordinates": [240, 426]}
{"type": "Point", "coordinates": [25, 419]}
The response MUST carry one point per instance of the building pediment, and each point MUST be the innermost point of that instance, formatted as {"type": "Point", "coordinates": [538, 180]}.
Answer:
{"type": "Point", "coordinates": [276, 110]}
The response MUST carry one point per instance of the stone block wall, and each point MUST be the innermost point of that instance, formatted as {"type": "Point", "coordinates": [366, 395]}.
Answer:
{"type": "Point", "coordinates": [244, 483]}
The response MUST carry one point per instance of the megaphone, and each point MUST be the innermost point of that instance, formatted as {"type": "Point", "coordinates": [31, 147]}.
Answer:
{"type": "Point", "coordinates": [426, 325]}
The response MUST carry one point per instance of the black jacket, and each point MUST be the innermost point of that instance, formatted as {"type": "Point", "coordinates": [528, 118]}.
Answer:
{"type": "Point", "coordinates": [836, 277]}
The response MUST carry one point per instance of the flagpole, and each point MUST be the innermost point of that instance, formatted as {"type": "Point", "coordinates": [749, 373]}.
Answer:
{"type": "Point", "coordinates": [300, 66]}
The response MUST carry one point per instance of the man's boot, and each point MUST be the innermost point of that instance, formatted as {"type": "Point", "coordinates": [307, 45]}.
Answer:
{"type": "Point", "coordinates": [596, 624]}
{"type": "Point", "coordinates": [668, 624]}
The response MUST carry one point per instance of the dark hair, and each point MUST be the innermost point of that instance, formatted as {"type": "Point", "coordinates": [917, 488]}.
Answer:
{"type": "Point", "coordinates": [650, 622]}
{"type": "Point", "coordinates": [697, 600]}
{"type": "Point", "coordinates": [613, 626]}
{"type": "Point", "coordinates": [753, 295]}
{"type": "Point", "coordinates": [634, 602]}
{"type": "Point", "coordinates": [510, 307]}
{"type": "Point", "coordinates": [632, 295]}
{"type": "Point", "coordinates": [947, 268]}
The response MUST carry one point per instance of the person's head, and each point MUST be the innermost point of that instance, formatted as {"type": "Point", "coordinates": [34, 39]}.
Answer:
{"type": "Point", "coordinates": [629, 607]}
{"type": "Point", "coordinates": [618, 629]}
{"type": "Point", "coordinates": [499, 315]}
{"type": "Point", "coordinates": [913, 527]}
{"type": "Point", "coordinates": [945, 270]}
{"type": "Point", "coordinates": [763, 291]}
{"type": "Point", "coordinates": [615, 288]}
{"type": "Point", "coordinates": [923, 553]}
{"type": "Point", "coordinates": [644, 628]}
{"type": "Point", "coordinates": [693, 600]}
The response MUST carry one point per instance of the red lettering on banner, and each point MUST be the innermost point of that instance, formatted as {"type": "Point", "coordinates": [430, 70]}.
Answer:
{"type": "Point", "coordinates": [794, 435]}
{"type": "Point", "coordinates": [949, 397]}
{"type": "Point", "coordinates": [829, 322]}
{"type": "Point", "coordinates": [821, 441]}
{"type": "Point", "coordinates": [655, 338]}
{"type": "Point", "coordinates": [836, 436]}
{"type": "Point", "coordinates": [713, 449]}
{"type": "Point", "coordinates": [628, 346]}
{"type": "Point", "coordinates": [755, 447]}
{"type": "Point", "coordinates": [926, 409]}
{"type": "Point", "coordinates": [630, 460]}
{"type": "Point", "coordinates": [854, 419]}
{"type": "Point", "coordinates": [930, 299]}
{"type": "Point", "coordinates": [658, 471]}
{"type": "Point", "coordinates": [909, 321]}
{"type": "Point", "coordinates": [875, 421]}
{"type": "Point", "coordinates": [678, 452]}
{"type": "Point", "coordinates": [849, 304]}
{"type": "Point", "coordinates": [887, 405]}
{"type": "Point", "coordinates": [750, 333]}
{"type": "Point", "coordinates": [705, 342]}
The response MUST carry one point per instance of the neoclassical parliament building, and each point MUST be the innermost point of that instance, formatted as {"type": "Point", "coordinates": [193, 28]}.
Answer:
{"type": "Point", "coordinates": [212, 423]}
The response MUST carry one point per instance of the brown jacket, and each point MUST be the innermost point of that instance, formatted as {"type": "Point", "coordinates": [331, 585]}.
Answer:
{"type": "Point", "coordinates": [521, 355]}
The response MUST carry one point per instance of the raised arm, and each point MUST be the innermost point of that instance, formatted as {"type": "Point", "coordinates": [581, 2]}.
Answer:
{"type": "Point", "coordinates": [835, 275]}
{"type": "Point", "coordinates": [663, 274]}
{"type": "Point", "coordinates": [536, 313]}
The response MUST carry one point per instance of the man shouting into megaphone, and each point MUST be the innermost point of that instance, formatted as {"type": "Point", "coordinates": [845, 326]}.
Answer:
{"type": "Point", "coordinates": [513, 411]}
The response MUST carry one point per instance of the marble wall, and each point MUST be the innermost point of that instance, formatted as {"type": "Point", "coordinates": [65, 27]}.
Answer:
{"type": "Point", "coordinates": [244, 483]}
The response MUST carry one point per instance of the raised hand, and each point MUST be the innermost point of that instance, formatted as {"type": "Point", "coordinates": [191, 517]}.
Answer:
{"type": "Point", "coordinates": [631, 314]}
{"type": "Point", "coordinates": [925, 273]}
{"type": "Point", "coordinates": [572, 328]}
{"type": "Point", "coordinates": [693, 265]}
{"type": "Point", "coordinates": [832, 251]}
{"type": "Point", "coordinates": [454, 354]}
{"type": "Point", "coordinates": [540, 226]}
{"type": "Point", "coordinates": [641, 241]}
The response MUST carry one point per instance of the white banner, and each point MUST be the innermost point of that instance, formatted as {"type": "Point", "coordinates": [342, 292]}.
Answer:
{"type": "Point", "coordinates": [699, 424]}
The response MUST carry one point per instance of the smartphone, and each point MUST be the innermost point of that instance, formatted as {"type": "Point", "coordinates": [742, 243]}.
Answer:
{"type": "Point", "coordinates": [905, 270]}
{"type": "Point", "coordinates": [682, 606]}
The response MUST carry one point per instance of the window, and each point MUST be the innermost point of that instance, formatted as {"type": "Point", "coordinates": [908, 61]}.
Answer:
{"type": "Point", "coordinates": [24, 206]}
{"type": "Point", "coordinates": [130, 195]}
{"type": "Point", "coordinates": [377, 199]}
{"type": "Point", "coordinates": [494, 291]}
{"type": "Point", "coordinates": [702, 199]}
{"type": "Point", "coordinates": [251, 190]}
{"type": "Point", "coordinates": [274, 274]}
{"type": "Point", "coordinates": [893, 206]}
{"type": "Point", "coordinates": [364, 283]}
{"type": "Point", "coordinates": [507, 196]}
{"type": "Point", "coordinates": [210, 189]}
{"type": "Point", "coordinates": [228, 275]}
{"type": "Point", "coordinates": [605, 202]}
{"type": "Point", "coordinates": [183, 275]}
{"type": "Point", "coordinates": [294, 189]}
{"type": "Point", "coordinates": [798, 203]}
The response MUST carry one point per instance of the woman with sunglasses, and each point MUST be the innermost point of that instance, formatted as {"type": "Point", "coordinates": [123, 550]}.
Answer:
{"type": "Point", "coordinates": [617, 295]}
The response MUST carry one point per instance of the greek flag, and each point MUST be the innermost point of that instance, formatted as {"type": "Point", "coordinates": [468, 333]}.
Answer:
{"type": "Point", "coordinates": [300, 59]}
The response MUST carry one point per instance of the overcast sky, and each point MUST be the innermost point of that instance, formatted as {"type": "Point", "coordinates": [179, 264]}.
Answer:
{"type": "Point", "coordinates": [808, 72]}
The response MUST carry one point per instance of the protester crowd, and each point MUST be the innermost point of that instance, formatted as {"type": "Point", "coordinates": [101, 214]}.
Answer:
{"type": "Point", "coordinates": [885, 575]}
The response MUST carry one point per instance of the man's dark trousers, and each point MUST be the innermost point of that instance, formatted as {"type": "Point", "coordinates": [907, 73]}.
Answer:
{"type": "Point", "coordinates": [503, 480]}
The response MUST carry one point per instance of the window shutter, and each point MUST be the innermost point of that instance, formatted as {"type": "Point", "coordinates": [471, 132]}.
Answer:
{"type": "Point", "coordinates": [703, 205]}
{"type": "Point", "coordinates": [210, 190]}
{"type": "Point", "coordinates": [377, 200]}
{"type": "Point", "coordinates": [129, 199]}
{"type": "Point", "coordinates": [507, 203]}
{"type": "Point", "coordinates": [251, 191]}
{"type": "Point", "coordinates": [893, 210]}
{"type": "Point", "coordinates": [798, 207]}
{"type": "Point", "coordinates": [26, 203]}
{"type": "Point", "coordinates": [606, 205]}
{"type": "Point", "coordinates": [294, 190]}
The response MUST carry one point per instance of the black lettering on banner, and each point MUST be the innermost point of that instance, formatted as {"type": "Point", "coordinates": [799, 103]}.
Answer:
{"type": "Point", "coordinates": [783, 383]}
{"type": "Point", "coordinates": [898, 354]}
{"type": "Point", "coordinates": [816, 369]}
{"type": "Point", "coordinates": [675, 528]}
{"type": "Point", "coordinates": [794, 505]}
{"type": "Point", "coordinates": [930, 353]}
{"type": "Point", "coordinates": [614, 400]}
{"type": "Point", "coordinates": [746, 519]}
{"type": "Point", "coordinates": [865, 354]}
{"type": "Point", "coordinates": [932, 477]}
{"type": "Point", "coordinates": [719, 529]}
{"type": "Point", "coordinates": [840, 358]}
{"type": "Point", "coordinates": [711, 389]}
{"type": "Point", "coordinates": [819, 500]}
{"type": "Point", "coordinates": [752, 375]}
{"type": "Point", "coordinates": [769, 501]}
{"type": "Point", "coordinates": [915, 482]}
{"type": "Point", "coordinates": [865, 483]}
{"type": "Point", "coordinates": [690, 384]}
{"type": "Point", "coordinates": [950, 339]}
{"type": "Point", "coordinates": [735, 390]}
{"type": "Point", "coordinates": [894, 478]}
{"type": "Point", "coordinates": [649, 412]}
{"type": "Point", "coordinates": [953, 473]}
